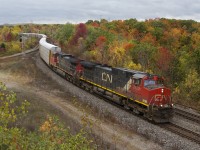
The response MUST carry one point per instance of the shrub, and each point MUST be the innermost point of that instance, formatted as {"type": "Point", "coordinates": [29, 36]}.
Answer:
{"type": "Point", "coordinates": [50, 135]}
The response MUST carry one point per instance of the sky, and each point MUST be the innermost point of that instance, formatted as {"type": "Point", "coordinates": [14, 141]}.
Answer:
{"type": "Point", "coordinates": [77, 11]}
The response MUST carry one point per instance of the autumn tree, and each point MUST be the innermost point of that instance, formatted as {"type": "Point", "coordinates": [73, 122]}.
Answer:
{"type": "Point", "coordinates": [4, 32]}
{"type": "Point", "coordinates": [143, 53]}
{"type": "Point", "coordinates": [196, 59]}
{"type": "Point", "coordinates": [119, 54]}
{"type": "Point", "coordinates": [2, 47]}
{"type": "Point", "coordinates": [188, 91]}
{"type": "Point", "coordinates": [149, 38]}
{"type": "Point", "coordinates": [15, 31]}
{"type": "Point", "coordinates": [101, 43]}
{"type": "Point", "coordinates": [8, 109]}
{"type": "Point", "coordinates": [64, 34]}
{"type": "Point", "coordinates": [163, 59]}
{"type": "Point", "coordinates": [81, 32]}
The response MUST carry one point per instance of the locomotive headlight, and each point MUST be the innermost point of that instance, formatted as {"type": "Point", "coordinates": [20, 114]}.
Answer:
{"type": "Point", "coordinates": [162, 91]}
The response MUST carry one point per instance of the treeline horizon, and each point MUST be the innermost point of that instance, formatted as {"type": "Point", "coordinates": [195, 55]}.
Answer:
{"type": "Point", "coordinates": [167, 47]}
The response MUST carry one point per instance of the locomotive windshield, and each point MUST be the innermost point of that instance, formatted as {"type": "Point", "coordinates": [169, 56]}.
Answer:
{"type": "Point", "coordinates": [149, 82]}
{"type": "Point", "coordinates": [152, 84]}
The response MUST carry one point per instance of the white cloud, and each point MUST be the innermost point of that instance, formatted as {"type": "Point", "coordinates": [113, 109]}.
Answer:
{"type": "Point", "coordinates": [53, 11]}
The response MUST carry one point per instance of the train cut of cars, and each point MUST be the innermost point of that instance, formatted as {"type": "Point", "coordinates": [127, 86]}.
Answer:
{"type": "Point", "coordinates": [141, 92]}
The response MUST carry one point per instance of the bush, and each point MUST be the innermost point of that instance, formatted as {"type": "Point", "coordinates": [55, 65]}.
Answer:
{"type": "Point", "coordinates": [2, 47]}
{"type": "Point", "coordinates": [8, 109]}
{"type": "Point", "coordinates": [50, 135]}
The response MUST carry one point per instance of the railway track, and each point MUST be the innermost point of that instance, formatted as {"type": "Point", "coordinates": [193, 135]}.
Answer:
{"type": "Point", "coordinates": [182, 132]}
{"type": "Point", "coordinates": [187, 115]}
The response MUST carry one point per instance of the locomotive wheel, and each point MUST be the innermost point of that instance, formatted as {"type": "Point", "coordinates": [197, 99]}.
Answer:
{"type": "Point", "coordinates": [149, 116]}
{"type": "Point", "coordinates": [125, 104]}
{"type": "Point", "coordinates": [91, 90]}
{"type": "Point", "coordinates": [136, 111]}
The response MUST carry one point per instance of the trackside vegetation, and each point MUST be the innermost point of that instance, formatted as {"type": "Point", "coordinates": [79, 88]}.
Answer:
{"type": "Point", "coordinates": [51, 134]}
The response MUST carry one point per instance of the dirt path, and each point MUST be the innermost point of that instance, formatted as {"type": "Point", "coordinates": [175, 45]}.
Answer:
{"type": "Point", "coordinates": [21, 75]}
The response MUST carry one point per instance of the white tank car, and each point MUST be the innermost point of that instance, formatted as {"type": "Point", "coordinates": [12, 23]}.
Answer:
{"type": "Point", "coordinates": [45, 49]}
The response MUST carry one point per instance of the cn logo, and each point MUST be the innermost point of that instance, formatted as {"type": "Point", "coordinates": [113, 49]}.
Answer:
{"type": "Point", "coordinates": [106, 77]}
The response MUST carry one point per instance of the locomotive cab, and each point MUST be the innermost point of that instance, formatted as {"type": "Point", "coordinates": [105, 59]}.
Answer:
{"type": "Point", "coordinates": [149, 90]}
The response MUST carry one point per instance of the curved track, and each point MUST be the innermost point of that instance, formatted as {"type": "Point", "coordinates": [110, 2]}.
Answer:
{"type": "Point", "coordinates": [183, 132]}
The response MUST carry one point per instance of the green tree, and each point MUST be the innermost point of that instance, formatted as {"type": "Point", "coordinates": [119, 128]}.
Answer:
{"type": "Point", "coordinates": [8, 109]}
{"type": "Point", "coordinates": [188, 91]}
{"type": "Point", "coordinates": [196, 59]}
{"type": "Point", "coordinates": [65, 33]}
{"type": "Point", "coordinates": [2, 47]}
{"type": "Point", "coordinates": [143, 53]}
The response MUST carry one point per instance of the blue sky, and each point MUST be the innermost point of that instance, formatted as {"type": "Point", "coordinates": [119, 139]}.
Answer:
{"type": "Point", "coordinates": [76, 11]}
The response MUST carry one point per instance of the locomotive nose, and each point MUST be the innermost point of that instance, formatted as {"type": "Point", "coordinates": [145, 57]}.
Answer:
{"type": "Point", "coordinates": [162, 98]}
{"type": "Point", "coordinates": [164, 101]}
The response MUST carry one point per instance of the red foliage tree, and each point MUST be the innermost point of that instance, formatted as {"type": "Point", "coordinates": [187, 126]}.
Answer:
{"type": "Point", "coordinates": [100, 41]}
{"type": "Point", "coordinates": [8, 37]}
{"type": "Point", "coordinates": [128, 46]}
{"type": "Point", "coordinates": [149, 38]}
{"type": "Point", "coordinates": [81, 31]}
{"type": "Point", "coordinates": [163, 59]}
{"type": "Point", "coordinates": [95, 24]}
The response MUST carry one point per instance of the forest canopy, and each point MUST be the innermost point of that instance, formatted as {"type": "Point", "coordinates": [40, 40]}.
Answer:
{"type": "Point", "coordinates": [166, 47]}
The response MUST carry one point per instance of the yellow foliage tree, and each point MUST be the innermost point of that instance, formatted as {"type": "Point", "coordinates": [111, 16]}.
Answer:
{"type": "Point", "coordinates": [189, 90]}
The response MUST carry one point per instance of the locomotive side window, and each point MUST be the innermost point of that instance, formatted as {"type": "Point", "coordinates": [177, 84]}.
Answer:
{"type": "Point", "coordinates": [137, 82]}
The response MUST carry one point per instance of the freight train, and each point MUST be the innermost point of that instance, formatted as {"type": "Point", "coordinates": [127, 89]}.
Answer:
{"type": "Point", "coordinates": [141, 92]}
